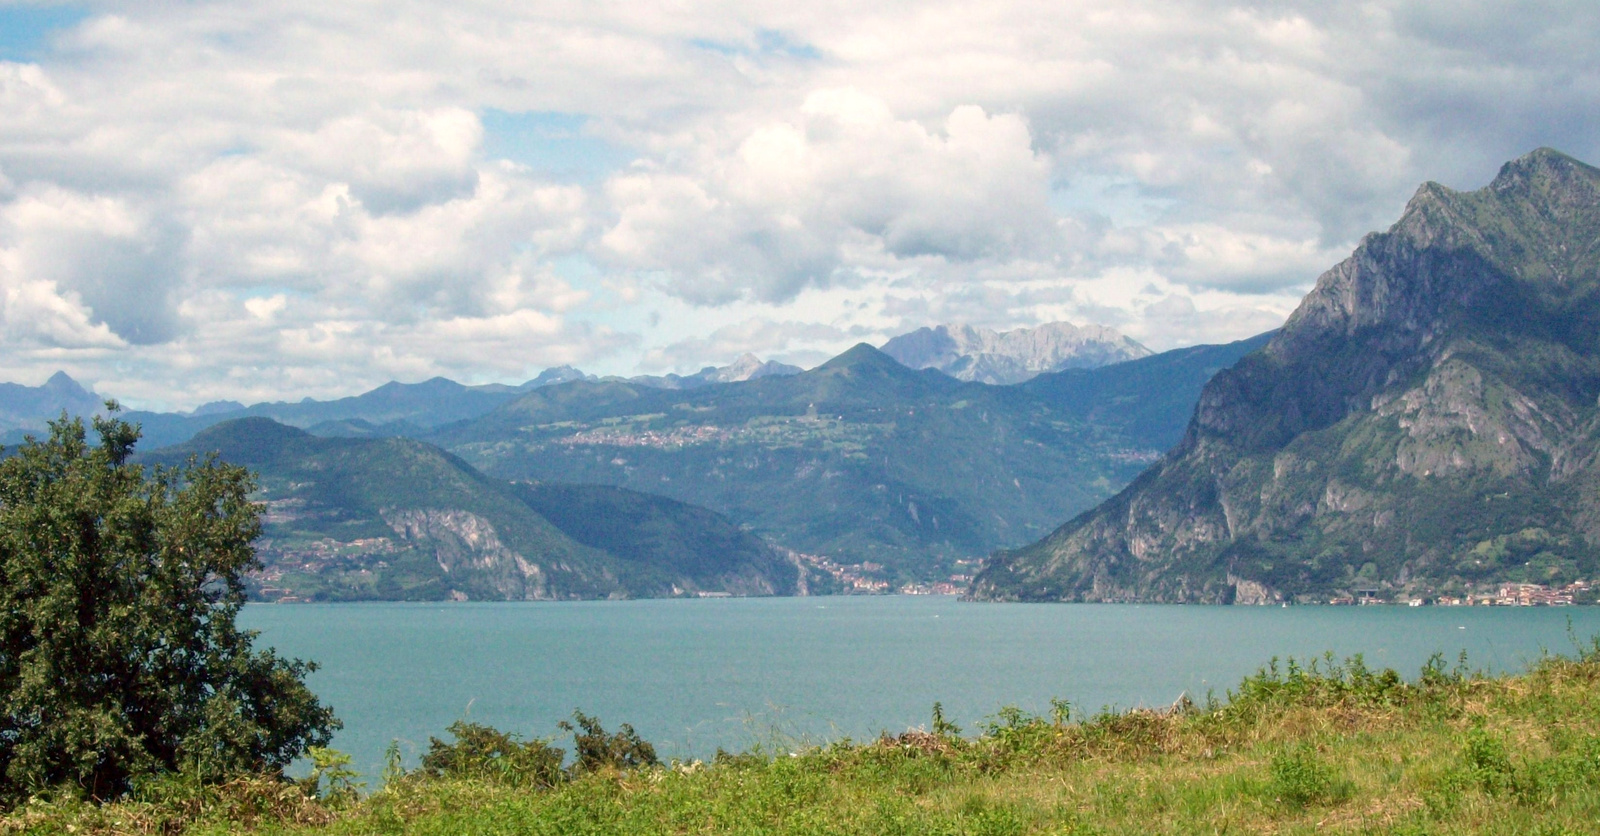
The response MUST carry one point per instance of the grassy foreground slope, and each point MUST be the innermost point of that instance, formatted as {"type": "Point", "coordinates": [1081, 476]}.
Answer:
{"type": "Point", "coordinates": [1325, 748]}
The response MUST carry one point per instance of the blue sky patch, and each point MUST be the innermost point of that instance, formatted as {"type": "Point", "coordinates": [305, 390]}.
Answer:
{"type": "Point", "coordinates": [1123, 200]}
{"type": "Point", "coordinates": [556, 144]}
{"type": "Point", "coordinates": [25, 31]}
{"type": "Point", "coordinates": [768, 43]}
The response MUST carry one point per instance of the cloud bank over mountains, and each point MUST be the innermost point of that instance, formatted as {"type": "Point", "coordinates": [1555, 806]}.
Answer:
{"type": "Point", "coordinates": [283, 198]}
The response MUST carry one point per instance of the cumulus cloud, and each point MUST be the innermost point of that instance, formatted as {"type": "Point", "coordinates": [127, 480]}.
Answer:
{"type": "Point", "coordinates": [86, 270]}
{"type": "Point", "coordinates": [840, 183]}
{"type": "Point", "coordinates": [291, 197]}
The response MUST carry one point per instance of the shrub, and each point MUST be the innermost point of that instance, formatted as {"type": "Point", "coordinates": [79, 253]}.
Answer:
{"type": "Point", "coordinates": [597, 750]}
{"type": "Point", "coordinates": [119, 656]}
{"type": "Point", "coordinates": [1487, 763]}
{"type": "Point", "coordinates": [331, 777]}
{"type": "Point", "coordinates": [485, 753]}
{"type": "Point", "coordinates": [1299, 778]}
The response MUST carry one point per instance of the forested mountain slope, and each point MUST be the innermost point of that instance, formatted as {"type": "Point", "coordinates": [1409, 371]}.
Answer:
{"type": "Point", "coordinates": [861, 459]}
{"type": "Point", "coordinates": [398, 519]}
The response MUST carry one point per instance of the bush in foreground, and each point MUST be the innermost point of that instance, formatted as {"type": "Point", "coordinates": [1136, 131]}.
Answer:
{"type": "Point", "coordinates": [120, 661]}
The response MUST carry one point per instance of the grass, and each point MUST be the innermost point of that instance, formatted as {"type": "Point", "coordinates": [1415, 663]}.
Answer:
{"type": "Point", "coordinates": [1325, 747]}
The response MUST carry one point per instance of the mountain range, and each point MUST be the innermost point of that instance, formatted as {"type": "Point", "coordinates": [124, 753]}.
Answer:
{"type": "Point", "coordinates": [1425, 423]}
{"type": "Point", "coordinates": [393, 409]}
{"type": "Point", "coordinates": [861, 459]}
{"type": "Point", "coordinates": [884, 473]}
{"type": "Point", "coordinates": [396, 409]}
{"type": "Point", "coordinates": [979, 354]}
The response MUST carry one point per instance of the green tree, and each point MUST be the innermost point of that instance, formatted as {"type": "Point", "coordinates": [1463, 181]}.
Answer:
{"type": "Point", "coordinates": [119, 655]}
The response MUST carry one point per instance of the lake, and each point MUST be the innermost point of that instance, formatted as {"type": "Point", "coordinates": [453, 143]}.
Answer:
{"type": "Point", "coordinates": [693, 675]}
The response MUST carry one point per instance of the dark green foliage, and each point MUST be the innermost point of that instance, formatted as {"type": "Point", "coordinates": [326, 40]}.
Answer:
{"type": "Point", "coordinates": [119, 657]}
{"type": "Point", "coordinates": [942, 727]}
{"type": "Point", "coordinates": [486, 753]}
{"type": "Point", "coordinates": [598, 750]}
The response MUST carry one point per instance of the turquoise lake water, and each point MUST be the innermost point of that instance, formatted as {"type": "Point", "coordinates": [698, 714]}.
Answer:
{"type": "Point", "coordinates": [693, 675]}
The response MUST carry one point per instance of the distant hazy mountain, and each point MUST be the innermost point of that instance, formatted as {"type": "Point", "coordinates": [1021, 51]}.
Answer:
{"type": "Point", "coordinates": [217, 408]}
{"type": "Point", "coordinates": [409, 409]}
{"type": "Point", "coordinates": [747, 367]}
{"type": "Point", "coordinates": [555, 376]}
{"type": "Point", "coordinates": [1426, 419]}
{"type": "Point", "coordinates": [985, 356]}
{"type": "Point", "coordinates": [30, 408]}
{"type": "Point", "coordinates": [393, 409]}
{"type": "Point", "coordinates": [397, 519]}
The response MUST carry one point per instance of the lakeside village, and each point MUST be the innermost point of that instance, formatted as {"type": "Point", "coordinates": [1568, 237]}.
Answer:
{"type": "Point", "coordinates": [1490, 595]}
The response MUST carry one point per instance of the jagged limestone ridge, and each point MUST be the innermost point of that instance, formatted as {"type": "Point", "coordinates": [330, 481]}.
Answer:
{"type": "Point", "coordinates": [977, 354]}
{"type": "Point", "coordinates": [1428, 410]}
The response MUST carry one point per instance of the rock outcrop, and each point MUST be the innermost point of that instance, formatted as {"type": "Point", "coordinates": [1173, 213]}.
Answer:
{"type": "Point", "coordinates": [985, 356]}
{"type": "Point", "coordinates": [1425, 420]}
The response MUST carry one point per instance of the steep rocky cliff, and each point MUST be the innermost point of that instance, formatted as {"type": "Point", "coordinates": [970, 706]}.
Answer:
{"type": "Point", "coordinates": [1426, 420]}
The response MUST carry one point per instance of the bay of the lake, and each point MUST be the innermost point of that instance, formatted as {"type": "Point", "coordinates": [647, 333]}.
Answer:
{"type": "Point", "coordinates": [695, 675]}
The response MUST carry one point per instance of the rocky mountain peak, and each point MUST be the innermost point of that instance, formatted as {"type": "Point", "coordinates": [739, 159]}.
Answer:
{"type": "Point", "coordinates": [1448, 364]}
{"type": "Point", "coordinates": [62, 383]}
{"type": "Point", "coordinates": [1558, 178]}
{"type": "Point", "coordinates": [967, 352]}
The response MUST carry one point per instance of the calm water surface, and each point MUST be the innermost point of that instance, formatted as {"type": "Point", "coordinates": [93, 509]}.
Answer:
{"type": "Point", "coordinates": [693, 675]}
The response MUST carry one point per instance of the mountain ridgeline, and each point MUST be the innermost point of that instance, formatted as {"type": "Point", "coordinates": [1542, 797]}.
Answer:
{"type": "Point", "coordinates": [870, 471]}
{"type": "Point", "coordinates": [1428, 419]}
{"type": "Point", "coordinates": [861, 460]}
{"type": "Point", "coordinates": [393, 409]}
{"type": "Point", "coordinates": [398, 519]}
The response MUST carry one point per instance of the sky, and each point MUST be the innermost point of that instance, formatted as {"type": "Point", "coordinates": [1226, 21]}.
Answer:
{"type": "Point", "coordinates": [281, 199]}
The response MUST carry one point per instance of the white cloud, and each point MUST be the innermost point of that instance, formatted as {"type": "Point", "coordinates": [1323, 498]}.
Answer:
{"type": "Point", "coordinates": [838, 184]}
{"type": "Point", "coordinates": [291, 197]}
{"type": "Point", "coordinates": [85, 270]}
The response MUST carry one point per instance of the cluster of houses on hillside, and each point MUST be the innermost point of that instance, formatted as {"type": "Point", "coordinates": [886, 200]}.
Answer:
{"type": "Point", "coordinates": [853, 578]}
{"type": "Point", "coordinates": [1521, 595]}
{"type": "Point", "coordinates": [670, 439]}
{"type": "Point", "coordinates": [1501, 595]}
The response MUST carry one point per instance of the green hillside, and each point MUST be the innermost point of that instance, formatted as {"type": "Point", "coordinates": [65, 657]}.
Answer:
{"type": "Point", "coordinates": [1426, 424]}
{"type": "Point", "coordinates": [398, 519]}
{"type": "Point", "coordinates": [861, 459]}
{"type": "Point", "coordinates": [654, 535]}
